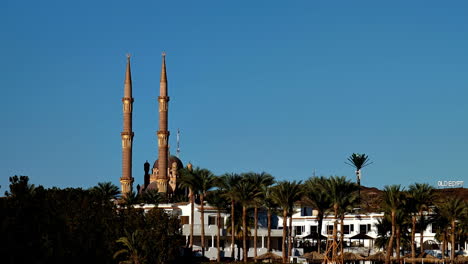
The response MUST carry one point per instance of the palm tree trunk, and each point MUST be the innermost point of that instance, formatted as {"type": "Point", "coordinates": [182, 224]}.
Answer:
{"type": "Point", "coordinates": [290, 240]}
{"type": "Point", "coordinates": [192, 215]}
{"type": "Point", "coordinates": [398, 244]}
{"type": "Point", "coordinates": [244, 232]}
{"type": "Point", "coordinates": [444, 238]}
{"type": "Point", "coordinates": [202, 220]}
{"type": "Point", "coordinates": [218, 234]}
{"type": "Point", "coordinates": [233, 233]}
{"type": "Point", "coordinates": [452, 243]}
{"type": "Point", "coordinates": [342, 235]}
{"type": "Point", "coordinates": [285, 230]}
{"type": "Point", "coordinates": [319, 230]}
{"type": "Point", "coordinates": [335, 227]}
{"type": "Point", "coordinates": [446, 243]}
{"type": "Point", "coordinates": [255, 231]}
{"type": "Point", "coordinates": [421, 232]}
{"type": "Point", "coordinates": [269, 231]}
{"type": "Point", "coordinates": [413, 235]}
{"type": "Point", "coordinates": [390, 241]}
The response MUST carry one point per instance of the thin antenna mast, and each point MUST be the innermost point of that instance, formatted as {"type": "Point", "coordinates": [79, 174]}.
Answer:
{"type": "Point", "coordinates": [178, 143]}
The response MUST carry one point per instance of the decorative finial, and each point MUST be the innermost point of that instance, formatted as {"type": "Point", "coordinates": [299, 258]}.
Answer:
{"type": "Point", "coordinates": [128, 56]}
{"type": "Point", "coordinates": [164, 54]}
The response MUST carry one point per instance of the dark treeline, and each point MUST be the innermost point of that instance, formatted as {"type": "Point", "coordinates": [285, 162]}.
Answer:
{"type": "Point", "coordinates": [73, 225]}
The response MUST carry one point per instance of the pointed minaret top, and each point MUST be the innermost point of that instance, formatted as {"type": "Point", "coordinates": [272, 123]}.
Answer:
{"type": "Point", "coordinates": [163, 85]}
{"type": "Point", "coordinates": [128, 80]}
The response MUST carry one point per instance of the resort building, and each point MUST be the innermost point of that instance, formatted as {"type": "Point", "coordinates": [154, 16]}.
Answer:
{"type": "Point", "coordinates": [360, 232]}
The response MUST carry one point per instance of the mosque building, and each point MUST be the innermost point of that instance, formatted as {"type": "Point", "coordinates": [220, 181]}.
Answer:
{"type": "Point", "coordinates": [164, 174]}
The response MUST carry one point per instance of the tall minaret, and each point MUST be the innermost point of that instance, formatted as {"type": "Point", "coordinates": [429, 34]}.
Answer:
{"type": "Point", "coordinates": [126, 181]}
{"type": "Point", "coordinates": [163, 133]}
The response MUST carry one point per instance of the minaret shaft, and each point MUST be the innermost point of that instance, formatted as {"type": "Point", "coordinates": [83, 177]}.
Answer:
{"type": "Point", "coordinates": [163, 133]}
{"type": "Point", "coordinates": [126, 180]}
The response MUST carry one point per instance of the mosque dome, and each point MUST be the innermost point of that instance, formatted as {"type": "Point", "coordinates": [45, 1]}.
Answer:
{"type": "Point", "coordinates": [172, 159]}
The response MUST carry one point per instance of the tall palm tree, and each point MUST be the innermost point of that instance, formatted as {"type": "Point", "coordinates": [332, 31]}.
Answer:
{"type": "Point", "coordinates": [228, 183]}
{"type": "Point", "coordinates": [205, 180]}
{"type": "Point", "coordinates": [342, 196]}
{"type": "Point", "coordinates": [218, 201]}
{"type": "Point", "coordinates": [453, 210]}
{"type": "Point", "coordinates": [247, 193]}
{"type": "Point", "coordinates": [106, 190]}
{"type": "Point", "coordinates": [271, 207]}
{"type": "Point", "coordinates": [260, 181]}
{"type": "Point", "coordinates": [188, 180]}
{"type": "Point", "coordinates": [441, 225]}
{"type": "Point", "coordinates": [316, 196]}
{"type": "Point", "coordinates": [422, 196]}
{"type": "Point", "coordinates": [358, 161]}
{"type": "Point", "coordinates": [239, 234]}
{"type": "Point", "coordinates": [393, 198]}
{"type": "Point", "coordinates": [402, 221]}
{"type": "Point", "coordinates": [285, 194]}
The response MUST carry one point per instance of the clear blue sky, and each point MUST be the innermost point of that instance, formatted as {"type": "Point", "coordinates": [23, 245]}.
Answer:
{"type": "Point", "coordinates": [279, 86]}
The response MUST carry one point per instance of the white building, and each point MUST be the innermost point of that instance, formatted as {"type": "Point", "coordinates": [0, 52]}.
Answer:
{"type": "Point", "coordinates": [304, 223]}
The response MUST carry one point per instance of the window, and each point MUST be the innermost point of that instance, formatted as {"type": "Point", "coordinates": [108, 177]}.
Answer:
{"type": "Point", "coordinates": [364, 229]}
{"type": "Point", "coordinates": [211, 220]}
{"type": "Point", "coordinates": [298, 230]}
{"type": "Point", "coordinates": [346, 229]}
{"type": "Point", "coordinates": [329, 229]}
{"type": "Point", "coordinates": [313, 229]}
{"type": "Point", "coordinates": [306, 211]}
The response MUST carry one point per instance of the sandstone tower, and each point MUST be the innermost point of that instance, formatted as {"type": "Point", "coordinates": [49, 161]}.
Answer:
{"type": "Point", "coordinates": [163, 133]}
{"type": "Point", "coordinates": [126, 181]}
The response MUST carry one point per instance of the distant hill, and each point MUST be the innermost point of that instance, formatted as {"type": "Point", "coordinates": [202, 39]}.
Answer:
{"type": "Point", "coordinates": [371, 197]}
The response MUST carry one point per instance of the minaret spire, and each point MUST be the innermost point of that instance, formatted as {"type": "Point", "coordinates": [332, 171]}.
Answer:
{"type": "Point", "coordinates": [163, 133]}
{"type": "Point", "coordinates": [126, 181]}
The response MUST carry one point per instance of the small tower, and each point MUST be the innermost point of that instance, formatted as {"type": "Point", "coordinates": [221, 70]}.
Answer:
{"type": "Point", "coordinates": [126, 181]}
{"type": "Point", "coordinates": [163, 133]}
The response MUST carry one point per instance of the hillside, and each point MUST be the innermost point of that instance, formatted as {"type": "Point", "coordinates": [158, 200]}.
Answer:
{"type": "Point", "coordinates": [371, 197]}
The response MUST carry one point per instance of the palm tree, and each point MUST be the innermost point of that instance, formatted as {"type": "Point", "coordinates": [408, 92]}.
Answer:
{"type": "Point", "coordinates": [132, 248]}
{"type": "Point", "coordinates": [402, 222]}
{"type": "Point", "coordinates": [237, 231]}
{"type": "Point", "coordinates": [131, 198]}
{"type": "Point", "coordinates": [392, 200]}
{"type": "Point", "coordinates": [358, 161]}
{"type": "Point", "coordinates": [247, 194]}
{"type": "Point", "coordinates": [384, 227]}
{"type": "Point", "coordinates": [316, 196]}
{"type": "Point", "coordinates": [218, 201]}
{"type": "Point", "coordinates": [285, 194]}
{"type": "Point", "coordinates": [260, 181]}
{"type": "Point", "coordinates": [106, 190]}
{"type": "Point", "coordinates": [453, 210]}
{"type": "Point", "coordinates": [271, 207]}
{"type": "Point", "coordinates": [188, 180]}
{"type": "Point", "coordinates": [342, 196]}
{"type": "Point", "coordinates": [152, 196]}
{"type": "Point", "coordinates": [421, 197]}
{"type": "Point", "coordinates": [205, 180]}
{"type": "Point", "coordinates": [441, 225]}
{"type": "Point", "coordinates": [228, 184]}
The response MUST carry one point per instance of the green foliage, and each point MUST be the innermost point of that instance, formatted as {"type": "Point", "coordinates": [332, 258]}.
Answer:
{"type": "Point", "coordinates": [75, 226]}
{"type": "Point", "coordinates": [359, 161]}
